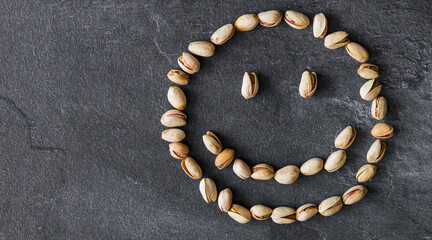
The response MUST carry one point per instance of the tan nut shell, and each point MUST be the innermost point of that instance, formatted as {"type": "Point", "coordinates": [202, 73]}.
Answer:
{"type": "Point", "coordinates": [336, 40]}
{"type": "Point", "coordinates": [173, 135]}
{"type": "Point", "coordinates": [379, 108]}
{"type": "Point", "coordinates": [312, 166]}
{"type": "Point", "coordinates": [382, 131]}
{"type": "Point", "coordinates": [191, 168]}
{"type": "Point", "coordinates": [188, 63]}
{"type": "Point", "coordinates": [223, 34]}
{"type": "Point", "coordinates": [212, 143]}
{"type": "Point", "coordinates": [335, 161]}
{"type": "Point", "coordinates": [366, 172]}
{"type": "Point", "coordinates": [178, 76]}
{"type": "Point", "coordinates": [208, 190]}
{"type": "Point", "coordinates": [250, 85]}
{"type": "Point", "coordinates": [357, 51]}
{"type": "Point", "coordinates": [370, 89]}
{"type": "Point", "coordinates": [306, 211]}
{"type": "Point", "coordinates": [330, 206]}
{"type": "Point", "coordinates": [319, 25]}
{"type": "Point", "coordinates": [308, 84]}
{"type": "Point", "coordinates": [239, 213]}
{"type": "Point", "coordinates": [262, 172]}
{"type": "Point", "coordinates": [368, 71]}
{"type": "Point", "coordinates": [296, 20]}
{"type": "Point", "coordinates": [345, 138]}
{"type": "Point", "coordinates": [241, 169]}
{"type": "Point", "coordinates": [283, 215]}
{"type": "Point", "coordinates": [270, 18]}
{"type": "Point", "coordinates": [179, 150]}
{"type": "Point", "coordinates": [287, 174]}
{"type": "Point", "coordinates": [176, 97]}
{"type": "Point", "coordinates": [246, 22]}
{"type": "Point", "coordinates": [225, 200]}
{"type": "Point", "coordinates": [354, 194]}
{"type": "Point", "coordinates": [376, 151]}
{"type": "Point", "coordinates": [202, 48]}
{"type": "Point", "coordinates": [173, 118]}
{"type": "Point", "coordinates": [261, 212]}
{"type": "Point", "coordinates": [224, 158]}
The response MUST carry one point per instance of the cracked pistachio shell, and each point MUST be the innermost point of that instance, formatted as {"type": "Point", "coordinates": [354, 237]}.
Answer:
{"type": "Point", "coordinates": [212, 143]}
{"type": "Point", "coordinates": [306, 211]}
{"type": "Point", "coordinates": [379, 108]}
{"type": "Point", "coordinates": [296, 20]}
{"type": "Point", "coordinates": [202, 48]}
{"type": "Point", "coordinates": [308, 84]}
{"type": "Point", "coordinates": [223, 34]}
{"type": "Point", "coordinates": [262, 172]}
{"type": "Point", "coordinates": [319, 25]}
{"type": "Point", "coordinates": [173, 118]}
{"type": "Point", "coordinates": [357, 51]}
{"type": "Point", "coordinates": [225, 200]}
{"type": "Point", "coordinates": [261, 212]}
{"type": "Point", "coordinates": [224, 158]}
{"type": "Point", "coordinates": [336, 40]}
{"type": "Point", "coordinates": [283, 215]}
{"type": "Point", "coordinates": [370, 90]}
{"type": "Point", "coordinates": [312, 166]}
{"type": "Point", "coordinates": [376, 151]}
{"type": "Point", "coordinates": [250, 85]}
{"type": "Point", "coordinates": [382, 130]}
{"type": "Point", "coordinates": [239, 213]}
{"type": "Point", "coordinates": [178, 150]}
{"type": "Point", "coordinates": [176, 98]}
{"type": "Point", "coordinates": [173, 135]}
{"type": "Point", "coordinates": [241, 169]}
{"type": "Point", "coordinates": [188, 63]}
{"type": "Point", "coordinates": [178, 76]}
{"type": "Point", "coordinates": [208, 190]}
{"type": "Point", "coordinates": [354, 194]}
{"type": "Point", "coordinates": [287, 174]}
{"type": "Point", "coordinates": [330, 206]}
{"type": "Point", "coordinates": [191, 168]}
{"type": "Point", "coordinates": [366, 172]}
{"type": "Point", "coordinates": [246, 22]}
{"type": "Point", "coordinates": [270, 18]}
{"type": "Point", "coordinates": [345, 138]}
{"type": "Point", "coordinates": [335, 161]}
{"type": "Point", "coordinates": [368, 71]}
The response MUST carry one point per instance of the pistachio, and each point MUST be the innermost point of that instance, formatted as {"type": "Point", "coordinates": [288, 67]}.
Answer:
{"type": "Point", "coordinates": [336, 40]}
{"type": "Point", "coordinates": [283, 215]}
{"type": "Point", "coordinates": [178, 150]}
{"type": "Point", "coordinates": [319, 25]}
{"type": "Point", "coordinates": [368, 71]}
{"type": "Point", "coordinates": [287, 174]}
{"type": "Point", "coordinates": [239, 213]}
{"type": "Point", "coordinates": [223, 34]}
{"type": "Point", "coordinates": [312, 166]}
{"type": "Point", "coordinates": [202, 48]}
{"type": "Point", "coordinates": [178, 76]}
{"type": "Point", "coordinates": [335, 161]}
{"type": "Point", "coordinates": [188, 63]}
{"type": "Point", "coordinates": [370, 89]}
{"type": "Point", "coordinates": [357, 51]}
{"type": "Point", "coordinates": [366, 172]}
{"type": "Point", "coordinates": [212, 143]}
{"type": "Point", "coordinates": [354, 194]}
{"type": "Point", "coordinates": [330, 206]}
{"type": "Point", "coordinates": [262, 172]}
{"type": "Point", "coordinates": [261, 212]}
{"type": "Point", "coordinates": [270, 18]}
{"type": "Point", "coordinates": [250, 85]}
{"type": "Point", "coordinates": [345, 138]}
{"type": "Point", "coordinates": [376, 151]}
{"type": "Point", "coordinates": [225, 200]}
{"type": "Point", "coordinates": [246, 22]}
{"type": "Point", "coordinates": [176, 97]}
{"type": "Point", "coordinates": [296, 20]}
{"type": "Point", "coordinates": [173, 118]}
{"type": "Point", "coordinates": [208, 190]}
{"type": "Point", "coordinates": [379, 108]}
{"type": "Point", "coordinates": [308, 84]}
{"type": "Point", "coordinates": [224, 158]}
{"type": "Point", "coordinates": [382, 130]}
{"type": "Point", "coordinates": [241, 169]}
{"type": "Point", "coordinates": [306, 211]}
{"type": "Point", "coordinates": [173, 135]}
{"type": "Point", "coordinates": [191, 168]}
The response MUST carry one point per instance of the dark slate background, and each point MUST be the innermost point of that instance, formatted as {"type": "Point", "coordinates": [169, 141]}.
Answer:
{"type": "Point", "coordinates": [83, 86]}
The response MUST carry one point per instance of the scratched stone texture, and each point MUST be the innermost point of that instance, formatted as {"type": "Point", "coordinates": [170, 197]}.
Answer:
{"type": "Point", "coordinates": [83, 85]}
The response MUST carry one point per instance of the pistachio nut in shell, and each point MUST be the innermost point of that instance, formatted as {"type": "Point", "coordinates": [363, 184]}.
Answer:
{"type": "Point", "coordinates": [250, 85]}
{"type": "Point", "coordinates": [239, 213]}
{"type": "Point", "coordinates": [173, 118]}
{"type": "Point", "coordinates": [262, 172]}
{"type": "Point", "coordinates": [191, 168]}
{"type": "Point", "coordinates": [270, 18]}
{"type": "Point", "coordinates": [241, 169]}
{"type": "Point", "coordinates": [202, 48]}
{"type": "Point", "coordinates": [366, 172]}
{"type": "Point", "coordinates": [330, 206]}
{"type": "Point", "coordinates": [179, 150]}
{"type": "Point", "coordinates": [208, 190]}
{"type": "Point", "coordinates": [379, 108]}
{"type": "Point", "coordinates": [368, 71]}
{"type": "Point", "coordinates": [345, 138]}
{"type": "Point", "coordinates": [225, 200]}
{"type": "Point", "coordinates": [283, 215]}
{"type": "Point", "coordinates": [336, 40]}
{"type": "Point", "coordinates": [370, 90]}
{"type": "Point", "coordinates": [382, 130]}
{"type": "Point", "coordinates": [287, 174]}
{"type": "Point", "coordinates": [223, 34]}
{"type": "Point", "coordinates": [246, 22]}
{"type": "Point", "coordinates": [354, 194]}
{"type": "Point", "coordinates": [296, 20]}
{"type": "Point", "coordinates": [178, 76]}
{"type": "Point", "coordinates": [312, 166]}
{"type": "Point", "coordinates": [306, 211]}
{"type": "Point", "coordinates": [357, 51]}
{"type": "Point", "coordinates": [224, 158]}
{"type": "Point", "coordinates": [261, 212]}
{"type": "Point", "coordinates": [212, 143]}
{"type": "Point", "coordinates": [176, 98]}
{"type": "Point", "coordinates": [308, 84]}
{"type": "Point", "coordinates": [173, 135]}
{"type": "Point", "coordinates": [188, 63]}
{"type": "Point", "coordinates": [335, 161]}
{"type": "Point", "coordinates": [320, 25]}
{"type": "Point", "coordinates": [376, 151]}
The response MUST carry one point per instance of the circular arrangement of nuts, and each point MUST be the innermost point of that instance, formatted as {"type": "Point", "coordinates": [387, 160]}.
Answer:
{"type": "Point", "coordinates": [308, 85]}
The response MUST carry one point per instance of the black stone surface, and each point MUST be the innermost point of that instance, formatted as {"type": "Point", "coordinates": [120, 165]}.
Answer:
{"type": "Point", "coordinates": [83, 85]}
